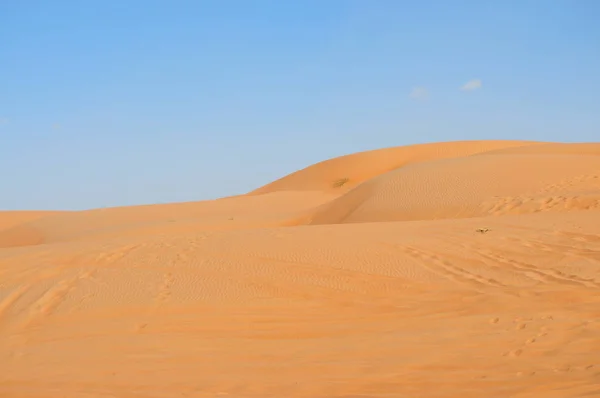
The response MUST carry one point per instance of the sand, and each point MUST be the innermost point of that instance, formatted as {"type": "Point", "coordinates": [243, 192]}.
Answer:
{"type": "Point", "coordinates": [461, 269]}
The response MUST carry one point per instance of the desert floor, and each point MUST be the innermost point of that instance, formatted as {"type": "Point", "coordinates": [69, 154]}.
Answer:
{"type": "Point", "coordinates": [463, 269]}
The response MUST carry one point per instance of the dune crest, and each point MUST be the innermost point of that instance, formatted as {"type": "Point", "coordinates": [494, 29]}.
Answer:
{"type": "Point", "coordinates": [239, 212]}
{"type": "Point", "coordinates": [351, 170]}
{"type": "Point", "coordinates": [517, 181]}
{"type": "Point", "coordinates": [461, 269]}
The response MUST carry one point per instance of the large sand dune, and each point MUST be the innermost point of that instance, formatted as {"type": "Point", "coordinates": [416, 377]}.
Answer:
{"type": "Point", "coordinates": [466, 269]}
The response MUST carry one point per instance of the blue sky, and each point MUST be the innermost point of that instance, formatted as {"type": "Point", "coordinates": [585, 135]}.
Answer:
{"type": "Point", "coordinates": [108, 103]}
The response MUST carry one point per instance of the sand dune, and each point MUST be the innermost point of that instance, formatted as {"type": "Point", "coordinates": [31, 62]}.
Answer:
{"type": "Point", "coordinates": [10, 219]}
{"type": "Point", "coordinates": [474, 186]}
{"type": "Point", "coordinates": [14, 230]}
{"type": "Point", "coordinates": [350, 170]}
{"type": "Point", "coordinates": [462, 269]}
{"type": "Point", "coordinates": [275, 209]}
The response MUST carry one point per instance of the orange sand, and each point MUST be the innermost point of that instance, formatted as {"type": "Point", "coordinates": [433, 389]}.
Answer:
{"type": "Point", "coordinates": [463, 269]}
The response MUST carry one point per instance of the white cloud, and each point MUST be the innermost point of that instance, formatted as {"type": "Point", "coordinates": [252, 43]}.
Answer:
{"type": "Point", "coordinates": [471, 85]}
{"type": "Point", "coordinates": [419, 93]}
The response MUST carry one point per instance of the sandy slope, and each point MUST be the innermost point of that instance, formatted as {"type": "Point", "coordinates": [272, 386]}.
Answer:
{"type": "Point", "coordinates": [358, 167]}
{"type": "Point", "coordinates": [10, 219]}
{"type": "Point", "coordinates": [274, 209]}
{"type": "Point", "coordinates": [467, 270]}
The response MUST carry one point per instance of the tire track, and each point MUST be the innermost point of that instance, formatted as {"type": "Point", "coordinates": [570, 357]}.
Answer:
{"type": "Point", "coordinates": [564, 249]}
{"type": "Point", "coordinates": [47, 303]}
{"type": "Point", "coordinates": [11, 299]}
{"type": "Point", "coordinates": [118, 254]}
{"type": "Point", "coordinates": [442, 267]}
{"type": "Point", "coordinates": [533, 272]}
{"type": "Point", "coordinates": [580, 237]}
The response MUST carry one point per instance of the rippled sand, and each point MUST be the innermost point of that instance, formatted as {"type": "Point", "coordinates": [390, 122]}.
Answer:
{"type": "Point", "coordinates": [463, 269]}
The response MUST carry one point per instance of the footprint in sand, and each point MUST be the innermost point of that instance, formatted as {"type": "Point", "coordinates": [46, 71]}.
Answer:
{"type": "Point", "coordinates": [165, 290]}
{"type": "Point", "coordinates": [141, 327]}
{"type": "Point", "coordinates": [513, 353]}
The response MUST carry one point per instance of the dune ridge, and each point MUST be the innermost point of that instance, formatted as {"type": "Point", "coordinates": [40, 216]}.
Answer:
{"type": "Point", "coordinates": [459, 269]}
{"type": "Point", "coordinates": [359, 167]}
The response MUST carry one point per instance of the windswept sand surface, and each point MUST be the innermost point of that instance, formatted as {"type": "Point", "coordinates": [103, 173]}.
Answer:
{"type": "Point", "coordinates": [464, 269]}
